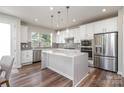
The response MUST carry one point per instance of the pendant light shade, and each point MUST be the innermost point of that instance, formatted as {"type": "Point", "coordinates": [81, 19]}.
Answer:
{"type": "Point", "coordinates": [52, 20]}
{"type": "Point", "coordinates": [58, 24]}
{"type": "Point", "coordinates": [67, 29]}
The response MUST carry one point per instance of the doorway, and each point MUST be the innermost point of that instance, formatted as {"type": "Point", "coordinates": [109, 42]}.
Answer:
{"type": "Point", "coordinates": [5, 39]}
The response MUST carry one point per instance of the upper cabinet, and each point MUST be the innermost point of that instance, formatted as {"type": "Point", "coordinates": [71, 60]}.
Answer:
{"type": "Point", "coordinates": [85, 32]}
{"type": "Point", "coordinates": [82, 32]}
{"type": "Point", "coordinates": [107, 25]}
{"type": "Point", "coordinates": [111, 24]}
{"type": "Point", "coordinates": [24, 34]}
{"type": "Point", "coordinates": [60, 38]}
{"type": "Point", "coordinates": [89, 34]}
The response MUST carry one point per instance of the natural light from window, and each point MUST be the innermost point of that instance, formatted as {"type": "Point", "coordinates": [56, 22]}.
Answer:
{"type": "Point", "coordinates": [5, 39]}
{"type": "Point", "coordinates": [41, 39]}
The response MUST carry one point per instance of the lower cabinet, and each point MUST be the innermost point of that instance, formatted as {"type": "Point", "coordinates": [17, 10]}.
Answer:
{"type": "Point", "coordinates": [26, 57]}
{"type": "Point", "coordinates": [45, 58]}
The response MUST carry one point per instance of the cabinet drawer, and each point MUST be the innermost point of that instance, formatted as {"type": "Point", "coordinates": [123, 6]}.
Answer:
{"type": "Point", "coordinates": [26, 56]}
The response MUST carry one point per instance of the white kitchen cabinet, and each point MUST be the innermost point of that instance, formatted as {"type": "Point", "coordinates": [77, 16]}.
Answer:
{"type": "Point", "coordinates": [107, 25]}
{"type": "Point", "coordinates": [99, 27]}
{"type": "Point", "coordinates": [57, 38]}
{"type": "Point", "coordinates": [85, 32]}
{"type": "Point", "coordinates": [77, 35]}
{"type": "Point", "coordinates": [111, 24]}
{"type": "Point", "coordinates": [82, 32]}
{"type": "Point", "coordinates": [89, 31]}
{"type": "Point", "coordinates": [62, 37]}
{"type": "Point", "coordinates": [26, 57]}
{"type": "Point", "coordinates": [24, 34]}
{"type": "Point", "coordinates": [71, 33]}
{"type": "Point", "coordinates": [65, 34]}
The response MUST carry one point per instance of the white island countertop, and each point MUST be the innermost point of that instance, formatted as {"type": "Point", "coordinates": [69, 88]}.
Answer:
{"type": "Point", "coordinates": [72, 64]}
{"type": "Point", "coordinates": [64, 52]}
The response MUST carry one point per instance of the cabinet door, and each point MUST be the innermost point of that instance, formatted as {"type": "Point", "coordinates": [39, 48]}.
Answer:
{"type": "Point", "coordinates": [90, 31]}
{"type": "Point", "coordinates": [111, 25]}
{"type": "Point", "coordinates": [24, 34]}
{"type": "Point", "coordinates": [58, 37]}
{"type": "Point", "coordinates": [82, 33]}
{"type": "Point", "coordinates": [99, 27]}
{"type": "Point", "coordinates": [62, 37]}
{"type": "Point", "coordinates": [71, 33]}
{"type": "Point", "coordinates": [65, 34]}
{"type": "Point", "coordinates": [108, 25]}
{"type": "Point", "coordinates": [76, 35]}
{"type": "Point", "coordinates": [26, 56]}
{"type": "Point", "coordinates": [23, 57]}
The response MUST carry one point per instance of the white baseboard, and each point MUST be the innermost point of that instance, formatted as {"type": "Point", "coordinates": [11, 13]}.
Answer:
{"type": "Point", "coordinates": [121, 73]}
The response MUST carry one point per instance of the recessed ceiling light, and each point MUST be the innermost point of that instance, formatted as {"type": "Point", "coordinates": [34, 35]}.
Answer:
{"type": "Point", "coordinates": [51, 8]}
{"type": "Point", "coordinates": [35, 19]}
{"type": "Point", "coordinates": [74, 20]}
{"type": "Point", "coordinates": [104, 10]}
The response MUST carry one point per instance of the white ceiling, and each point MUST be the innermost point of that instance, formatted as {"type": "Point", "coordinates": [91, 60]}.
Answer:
{"type": "Point", "coordinates": [82, 14]}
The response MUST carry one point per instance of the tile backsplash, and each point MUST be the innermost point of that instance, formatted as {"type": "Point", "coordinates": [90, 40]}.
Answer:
{"type": "Point", "coordinates": [26, 46]}
{"type": "Point", "coordinates": [66, 45]}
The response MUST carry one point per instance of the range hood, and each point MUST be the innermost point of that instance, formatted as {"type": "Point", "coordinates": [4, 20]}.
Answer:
{"type": "Point", "coordinates": [69, 43]}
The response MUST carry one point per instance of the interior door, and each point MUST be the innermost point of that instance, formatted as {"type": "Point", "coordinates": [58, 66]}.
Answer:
{"type": "Point", "coordinates": [110, 44]}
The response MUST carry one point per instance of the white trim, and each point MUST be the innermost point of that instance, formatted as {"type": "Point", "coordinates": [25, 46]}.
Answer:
{"type": "Point", "coordinates": [61, 73]}
{"type": "Point", "coordinates": [81, 80]}
{"type": "Point", "coordinates": [120, 73]}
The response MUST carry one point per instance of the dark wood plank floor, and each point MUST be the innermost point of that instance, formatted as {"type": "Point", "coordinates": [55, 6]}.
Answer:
{"type": "Point", "coordinates": [102, 78]}
{"type": "Point", "coordinates": [33, 76]}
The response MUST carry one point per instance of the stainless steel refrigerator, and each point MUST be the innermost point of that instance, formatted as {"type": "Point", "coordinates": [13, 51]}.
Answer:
{"type": "Point", "coordinates": [106, 51]}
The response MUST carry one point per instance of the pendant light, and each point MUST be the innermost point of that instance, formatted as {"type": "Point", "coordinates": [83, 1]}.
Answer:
{"type": "Point", "coordinates": [52, 20]}
{"type": "Point", "coordinates": [58, 25]}
{"type": "Point", "coordinates": [67, 29]}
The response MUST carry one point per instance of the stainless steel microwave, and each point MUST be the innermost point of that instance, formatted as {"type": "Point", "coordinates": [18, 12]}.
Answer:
{"type": "Point", "coordinates": [86, 42]}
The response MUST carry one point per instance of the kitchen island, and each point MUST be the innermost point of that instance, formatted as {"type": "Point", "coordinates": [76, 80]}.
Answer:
{"type": "Point", "coordinates": [70, 63]}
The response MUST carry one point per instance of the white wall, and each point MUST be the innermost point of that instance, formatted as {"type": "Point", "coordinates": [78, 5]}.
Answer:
{"type": "Point", "coordinates": [32, 28]}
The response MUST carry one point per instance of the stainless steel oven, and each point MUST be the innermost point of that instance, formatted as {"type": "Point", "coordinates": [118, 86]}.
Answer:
{"type": "Point", "coordinates": [87, 50]}
{"type": "Point", "coordinates": [86, 46]}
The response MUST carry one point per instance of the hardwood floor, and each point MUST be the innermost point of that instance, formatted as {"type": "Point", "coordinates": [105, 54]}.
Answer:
{"type": "Point", "coordinates": [33, 76]}
{"type": "Point", "coordinates": [102, 78]}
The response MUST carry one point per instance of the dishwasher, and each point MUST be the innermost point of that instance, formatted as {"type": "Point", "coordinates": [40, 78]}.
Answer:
{"type": "Point", "coordinates": [36, 56]}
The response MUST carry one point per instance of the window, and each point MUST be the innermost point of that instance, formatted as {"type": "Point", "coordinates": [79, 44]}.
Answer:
{"type": "Point", "coordinates": [5, 39]}
{"type": "Point", "coordinates": [41, 40]}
